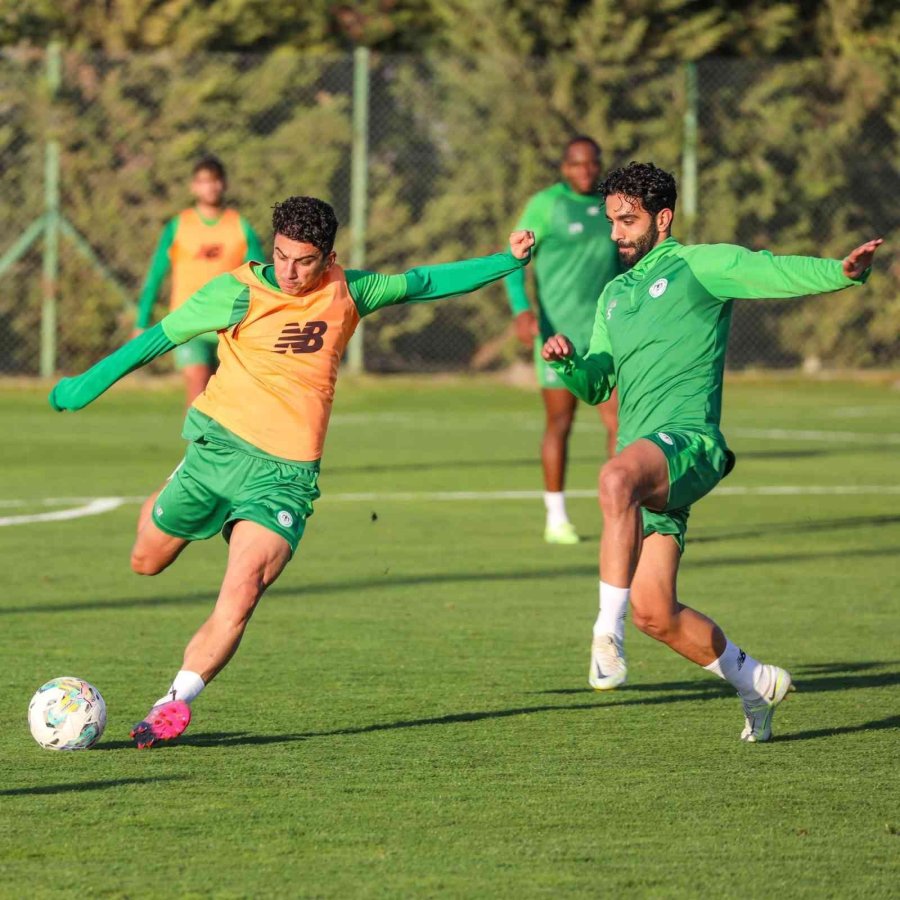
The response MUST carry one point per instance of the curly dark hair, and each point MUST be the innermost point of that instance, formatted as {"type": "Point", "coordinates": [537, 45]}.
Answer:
{"type": "Point", "coordinates": [653, 187]}
{"type": "Point", "coordinates": [306, 219]}
{"type": "Point", "coordinates": [212, 164]}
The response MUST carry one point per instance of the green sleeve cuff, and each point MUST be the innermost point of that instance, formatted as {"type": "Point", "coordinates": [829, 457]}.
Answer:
{"type": "Point", "coordinates": [78, 392]}
{"type": "Point", "coordinates": [589, 378]}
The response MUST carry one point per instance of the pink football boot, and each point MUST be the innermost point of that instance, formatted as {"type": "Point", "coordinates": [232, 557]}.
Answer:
{"type": "Point", "coordinates": [163, 723]}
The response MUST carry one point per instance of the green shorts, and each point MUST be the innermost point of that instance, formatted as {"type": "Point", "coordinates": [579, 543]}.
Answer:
{"type": "Point", "coordinates": [546, 374]}
{"type": "Point", "coordinates": [697, 463]}
{"type": "Point", "coordinates": [198, 351]}
{"type": "Point", "coordinates": [217, 485]}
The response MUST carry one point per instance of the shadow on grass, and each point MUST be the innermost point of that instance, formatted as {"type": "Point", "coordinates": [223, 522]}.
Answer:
{"type": "Point", "coordinates": [819, 677]}
{"type": "Point", "coordinates": [241, 738]}
{"type": "Point", "coordinates": [810, 679]}
{"type": "Point", "coordinates": [87, 785]}
{"type": "Point", "coordinates": [712, 687]}
{"type": "Point", "coordinates": [800, 527]}
{"type": "Point", "coordinates": [394, 581]}
{"type": "Point", "coordinates": [891, 722]}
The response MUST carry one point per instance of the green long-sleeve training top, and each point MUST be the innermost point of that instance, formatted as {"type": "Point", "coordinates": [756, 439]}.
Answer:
{"type": "Point", "coordinates": [661, 330]}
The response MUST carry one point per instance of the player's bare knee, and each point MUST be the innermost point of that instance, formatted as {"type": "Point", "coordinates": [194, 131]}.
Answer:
{"type": "Point", "coordinates": [654, 624]}
{"type": "Point", "coordinates": [617, 489]}
{"type": "Point", "coordinates": [653, 611]}
{"type": "Point", "coordinates": [559, 426]}
{"type": "Point", "coordinates": [143, 564]}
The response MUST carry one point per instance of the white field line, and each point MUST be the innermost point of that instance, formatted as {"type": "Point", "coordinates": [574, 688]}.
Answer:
{"type": "Point", "coordinates": [724, 491]}
{"type": "Point", "coordinates": [865, 412]}
{"type": "Point", "coordinates": [94, 508]}
{"type": "Point", "coordinates": [828, 437]}
{"type": "Point", "coordinates": [533, 423]}
{"type": "Point", "coordinates": [98, 505]}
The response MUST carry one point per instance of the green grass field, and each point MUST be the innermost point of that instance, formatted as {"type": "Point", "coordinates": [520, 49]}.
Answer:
{"type": "Point", "coordinates": [408, 715]}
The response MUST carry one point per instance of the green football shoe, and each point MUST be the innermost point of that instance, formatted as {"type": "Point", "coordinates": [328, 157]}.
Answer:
{"type": "Point", "coordinates": [758, 713]}
{"type": "Point", "coordinates": [563, 533]}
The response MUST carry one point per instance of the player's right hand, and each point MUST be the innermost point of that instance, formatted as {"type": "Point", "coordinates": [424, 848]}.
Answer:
{"type": "Point", "coordinates": [520, 244]}
{"type": "Point", "coordinates": [858, 260]}
{"type": "Point", "coordinates": [558, 347]}
{"type": "Point", "coordinates": [526, 327]}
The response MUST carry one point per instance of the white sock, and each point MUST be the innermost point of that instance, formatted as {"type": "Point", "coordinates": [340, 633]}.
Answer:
{"type": "Point", "coordinates": [555, 504]}
{"type": "Point", "coordinates": [186, 686]}
{"type": "Point", "coordinates": [613, 606]}
{"type": "Point", "coordinates": [744, 672]}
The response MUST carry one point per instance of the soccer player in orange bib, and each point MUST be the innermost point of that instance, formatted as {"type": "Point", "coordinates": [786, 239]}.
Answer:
{"type": "Point", "coordinates": [256, 433]}
{"type": "Point", "coordinates": [199, 243]}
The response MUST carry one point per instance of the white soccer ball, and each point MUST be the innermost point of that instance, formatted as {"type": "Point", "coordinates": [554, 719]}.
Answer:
{"type": "Point", "coordinates": [67, 714]}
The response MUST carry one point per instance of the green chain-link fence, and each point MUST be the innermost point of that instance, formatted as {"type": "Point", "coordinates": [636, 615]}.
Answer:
{"type": "Point", "coordinates": [790, 156]}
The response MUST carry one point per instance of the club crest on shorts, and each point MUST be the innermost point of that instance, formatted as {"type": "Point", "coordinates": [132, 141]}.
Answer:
{"type": "Point", "coordinates": [285, 519]}
{"type": "Point", "coordinates": [658, 288]}
{"type": "Point", "coordinates": [159, 510]}
{"type": "Point", "coordinates": [665, 438]}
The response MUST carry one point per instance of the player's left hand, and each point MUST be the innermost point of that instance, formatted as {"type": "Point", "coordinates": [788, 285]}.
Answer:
{"type": "Point", "coordinates": [520, 244]}
{"type": "Point", "coordinates": [858, 260]}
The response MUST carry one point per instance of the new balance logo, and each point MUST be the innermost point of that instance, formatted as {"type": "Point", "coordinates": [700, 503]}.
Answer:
{"type": "Point", "coordinates": [305, 339]}
{"type": "Point", "coordinates": [210, 251]}
{"type": "Point", "coordinates": [742, 658]}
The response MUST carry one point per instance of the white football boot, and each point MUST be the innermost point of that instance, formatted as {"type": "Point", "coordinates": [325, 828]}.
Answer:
{"type": "Point", "coordinates": [758, 712]}
{"type": "Point", "coordinates": [608, 669]}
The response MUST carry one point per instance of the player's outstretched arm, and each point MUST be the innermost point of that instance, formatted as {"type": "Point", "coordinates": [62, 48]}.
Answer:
{"type": "Point", "coordinates": [218, 305]}
{"type": "Point", "coordinates": [590, 377]}
{"type": "Point", "coordinates": [371, 291]}
{"type": "Point", "coordinates": [76, 393]}
{"type": "Point", "coordinates": [731, 272]}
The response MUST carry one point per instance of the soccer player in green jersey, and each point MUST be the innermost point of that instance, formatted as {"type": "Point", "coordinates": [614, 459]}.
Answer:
{"type": "Point", "coordinates": [660, 334]}
{"type": "Point", "coordinates": [574, 258]}
{"type": "Point", "coordinates": [196, 245]}
{"type": "Point", "coordinates": [257, 432]}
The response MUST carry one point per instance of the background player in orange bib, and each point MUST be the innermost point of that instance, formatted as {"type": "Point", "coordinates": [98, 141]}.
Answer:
{"type": "Point", "coordinates": [256, 433]}
{"type": "Point", "coordinates": [199, 243]}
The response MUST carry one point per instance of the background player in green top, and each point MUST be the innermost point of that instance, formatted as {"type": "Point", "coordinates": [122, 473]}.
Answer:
{"type": "Point", "coordinates": [660, 334]}
{"type": "Point", "coordinates": [574, 259]}
{"type": "Point", "coordinates": [196, 245]}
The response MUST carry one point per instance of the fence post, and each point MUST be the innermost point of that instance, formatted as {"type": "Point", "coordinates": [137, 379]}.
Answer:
{"type": "Point", "coordinates": [50, 279]}
{"type": "Point", "coordinates": [359, 177]}
{"type": "Point", "coordinates": [688, 189]}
